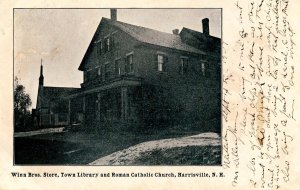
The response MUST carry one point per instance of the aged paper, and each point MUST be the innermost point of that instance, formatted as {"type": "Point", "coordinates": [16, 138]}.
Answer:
{"type": "Point", "coordinates": [260, 106]}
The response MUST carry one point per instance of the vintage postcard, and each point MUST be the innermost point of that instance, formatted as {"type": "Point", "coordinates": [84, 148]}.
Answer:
{"type": "Point", "coordinates": [140, 95]}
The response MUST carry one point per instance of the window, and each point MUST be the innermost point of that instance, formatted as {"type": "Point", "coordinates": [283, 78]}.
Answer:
{"type": "Point", "coordinates": [117, 67]}
{"type": "Point", "coordinates": [203, 57]}
{"type": "Point", "coordinates": [107, 44]}
{"type": "Point", "coordinates": [207, 70]}
{"type": "Point", "coordinates": [107, 70]}
{"type": "Point", "coordinates": [99, 72]}
{"type": "Point", "coordinates": [129, 63]}
{"type": "Point", "coordinates": [183, 65]}
{"type": "Point", "coordinates": [161, 62]}
{"type": "Point", "coordinates": [100, 49]}
{"type": "Point", "coordinates": [203, 69]}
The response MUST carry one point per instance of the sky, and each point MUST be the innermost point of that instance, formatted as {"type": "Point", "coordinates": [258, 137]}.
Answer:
{"type": "Point", "coordinates": [61, 36]}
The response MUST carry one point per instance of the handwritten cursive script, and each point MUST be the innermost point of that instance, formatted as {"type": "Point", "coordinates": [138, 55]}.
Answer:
{"type": "Point", "coordinates": [257, 108]}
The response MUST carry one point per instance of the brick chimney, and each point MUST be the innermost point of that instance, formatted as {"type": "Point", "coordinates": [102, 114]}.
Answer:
{"type": "Point", "coordinates": [205, 26]}
{"type": "Point", "coordinates": [175, 31]}
{"type": "Point", "coordinates": [113, 14]}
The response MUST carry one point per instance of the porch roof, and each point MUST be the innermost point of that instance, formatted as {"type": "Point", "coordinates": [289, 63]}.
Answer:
{"type": "Point", "coordinates": [98, 86]}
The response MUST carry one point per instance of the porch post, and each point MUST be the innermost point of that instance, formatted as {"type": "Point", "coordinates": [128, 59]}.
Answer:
{"type": "Point", "coordinates": [40, 118]}
{"type": "Point", "coordinates": [69, 109]}
{"type": "Point", "coordinates": [83, 110]}
{"type": "Point", "coordinates": [98, 107]}
{"type": "Point", "coordinates": [124, 103]}
{"type": "Point", "coordinates": [51, 114]}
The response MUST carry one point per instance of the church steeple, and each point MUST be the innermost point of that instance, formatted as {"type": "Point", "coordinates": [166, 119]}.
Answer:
{"type": "Point", "coordinates": [41, 79]}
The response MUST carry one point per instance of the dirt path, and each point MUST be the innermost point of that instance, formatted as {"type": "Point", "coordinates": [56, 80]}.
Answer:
{"type": "Point", "coordinates": [39, 132]}
{"type": "Point", "coordinates": [127, 156]}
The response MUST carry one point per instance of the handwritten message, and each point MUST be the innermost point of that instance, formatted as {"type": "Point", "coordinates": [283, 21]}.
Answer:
{"type": "Point", "coordinates": [257, 105]}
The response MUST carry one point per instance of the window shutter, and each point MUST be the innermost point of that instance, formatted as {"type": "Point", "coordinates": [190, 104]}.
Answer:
{"type": "Point", "coordinates": [132, 64]}
{"type": "Point", "coordinates": [105, 45]}
{"type": "Point", "coordinates": [165, 62]}
{"type": "Point", "coordinates": [108, 44]}
{"type": "Point", "coordinates": [185, 66]}
{"type": "Point", "coordinates": [97, 51]}
{"type": "Point", "coordinates": [100, 48]}
{"type": "Point", "coordinates": [112, 41]}
{"type": "Point", "coordinates": [125, 65]}
{"type": "Point", "coordinates": [155, 65]}
{"type": "Point", "coordinates": [101, 76]}
{"type": "Point", "coordinates": [208, 70]}
{"type": "Point", "coordinates": [116, 68]}
{"type": "Point", "coordinates": [180, 67]}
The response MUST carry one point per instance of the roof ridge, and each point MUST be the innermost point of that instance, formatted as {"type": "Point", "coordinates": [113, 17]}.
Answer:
{"type": "Point", "coordinates": [145, 35]}
{"type": "Point", "coordinates": [139, 26]}
{"type": "Point", "coordinates": [199, 32]}
{"type": "Point", "coordinates": [59, 87]}
{"type": "Point", "coordinates": [157, 37]}
{"type": "Point", "coordinates": [192, 30]}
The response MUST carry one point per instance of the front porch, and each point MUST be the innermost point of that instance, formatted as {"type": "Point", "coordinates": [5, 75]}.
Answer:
{"type": "Point", "coordinates": [106, 104]}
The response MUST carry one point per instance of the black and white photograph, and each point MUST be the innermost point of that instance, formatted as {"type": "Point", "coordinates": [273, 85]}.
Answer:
{"type": "Point", "coordinates": [126, 87]}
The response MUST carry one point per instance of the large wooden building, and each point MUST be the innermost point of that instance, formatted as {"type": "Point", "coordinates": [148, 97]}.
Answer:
{"type": "Point", "coordinates": [137, 75]}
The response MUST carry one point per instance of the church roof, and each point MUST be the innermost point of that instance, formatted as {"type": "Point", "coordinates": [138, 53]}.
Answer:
{"type": "Point", "coordinates": [51, 93]}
